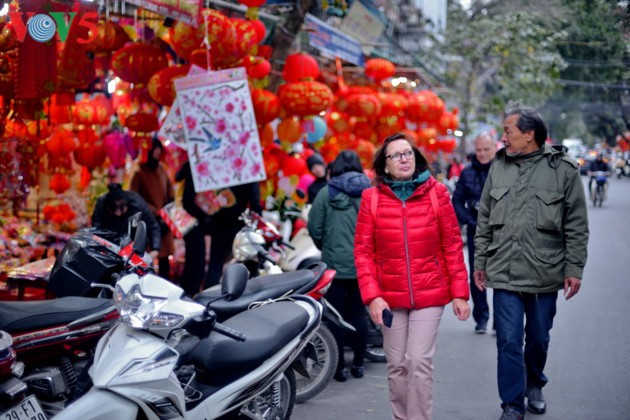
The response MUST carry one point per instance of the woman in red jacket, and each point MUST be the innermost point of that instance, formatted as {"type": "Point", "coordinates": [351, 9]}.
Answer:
{"type": "Point", "coordinates": [409, 259]}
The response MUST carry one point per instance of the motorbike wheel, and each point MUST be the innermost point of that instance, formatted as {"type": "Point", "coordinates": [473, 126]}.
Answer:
{"type": "Point", "coordinates": [276, 403]}
{"type": "Point", "coordinates": [322, 369]}
{"type": "Point", "coordinates": [375, 354]}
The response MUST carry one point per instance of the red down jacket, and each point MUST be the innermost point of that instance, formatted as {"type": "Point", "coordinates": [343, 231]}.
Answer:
{"type": "Point", "coordinates": [399, 256]}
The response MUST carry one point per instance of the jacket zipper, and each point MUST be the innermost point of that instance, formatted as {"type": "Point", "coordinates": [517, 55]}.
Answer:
{"type": "Point", "coordinates": [407, 252]}
{"type": "Point", "coordinates": [437, 264]}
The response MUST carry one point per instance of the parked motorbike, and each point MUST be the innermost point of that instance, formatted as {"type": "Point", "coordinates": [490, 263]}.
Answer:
{"type": "Point", "coordinates": [264, 249]}
{"type": "Point", "coordinates": [170, 358]}
{"type": "Point", "coordinates": [54, 340]}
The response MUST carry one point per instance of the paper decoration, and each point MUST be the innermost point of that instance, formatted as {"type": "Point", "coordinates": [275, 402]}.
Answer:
{"type": "Point", "coordinates": [177, 219]}
{"type": "Point", "coordinates": [220, 129]}
{"type": "Point", "coordinates": [213, 201]}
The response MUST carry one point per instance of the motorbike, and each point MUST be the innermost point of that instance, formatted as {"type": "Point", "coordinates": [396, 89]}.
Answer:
{"type": "Point", "coordinates": [54, 340]}
{"type": "Point", "coordinates": [598, 194]}
{"type": "Point", "coordinates": [169, 357]}
{"type": "Point", "coordinates": [265, 248]}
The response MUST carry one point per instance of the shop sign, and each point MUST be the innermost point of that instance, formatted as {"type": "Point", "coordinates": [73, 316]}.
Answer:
{"type": "Point", "coordinates": [42, 27]}
{"type": "Point", "coordinates": [186, 11]}
{"type": "Point", "coordinates": [364, 24]}
{"type": "Point", "coordinates": [333, 42]}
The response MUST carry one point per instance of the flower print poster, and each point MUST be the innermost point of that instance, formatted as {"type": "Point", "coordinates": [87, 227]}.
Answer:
{"type": "Point", "coordinates": [220, 129]}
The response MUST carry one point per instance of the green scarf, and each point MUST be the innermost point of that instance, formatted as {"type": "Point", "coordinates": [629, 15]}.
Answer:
{"type": "Point", "coordinates": [404, 189]}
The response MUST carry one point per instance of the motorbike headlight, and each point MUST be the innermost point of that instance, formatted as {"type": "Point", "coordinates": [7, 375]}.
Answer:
{"type": "Point", "coordinates": [140, 311]}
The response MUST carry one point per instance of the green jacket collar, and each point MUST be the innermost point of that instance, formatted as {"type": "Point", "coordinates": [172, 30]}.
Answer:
{"type": "Point", "coordinates": [404, 189]}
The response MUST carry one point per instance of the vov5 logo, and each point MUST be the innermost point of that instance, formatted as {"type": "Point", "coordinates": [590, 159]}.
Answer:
{"type": "Point", "coordinates": [43, 27]}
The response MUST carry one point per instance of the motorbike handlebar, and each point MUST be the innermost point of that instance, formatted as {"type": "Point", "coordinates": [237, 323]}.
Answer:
{"type": "Point", "coordinates": [229, 332]}
{"type": "Point", "coordinates": [265, 256]}
{"type": "Point", "coordinates": [288, 245]}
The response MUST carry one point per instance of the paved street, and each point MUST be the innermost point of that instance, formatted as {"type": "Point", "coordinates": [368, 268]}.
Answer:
{"type": "Point", "coordinates": [589, 360]}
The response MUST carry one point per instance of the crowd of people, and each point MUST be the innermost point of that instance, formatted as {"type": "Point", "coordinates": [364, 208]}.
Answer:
{"type": "Point", "coordinates": [396, 245]}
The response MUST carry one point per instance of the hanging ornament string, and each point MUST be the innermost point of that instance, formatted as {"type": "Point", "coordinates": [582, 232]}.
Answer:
{"type": "Point", "coordinates": [206, 42]}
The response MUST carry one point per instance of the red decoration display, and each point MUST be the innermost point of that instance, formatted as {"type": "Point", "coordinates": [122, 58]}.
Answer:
{"type": "Point", "coordinates": [300, 66]}
{"type": "Point", "coordinates": [266, 106]}
{"type": "Point", "coordinates": [136, 63]}
{"type": "Point", "coordinates": [306, 98]}
{"type": "Point", "coordinates": [161, 88]}
{"type": "Point", "coordinates": [379, 69]}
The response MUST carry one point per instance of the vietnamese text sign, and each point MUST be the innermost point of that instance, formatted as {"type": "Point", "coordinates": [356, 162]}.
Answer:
{"type": "Point", "coordinates": [363, 24]}
{"type": "Point", "coordinates": [331, 41]}
{"type": "Point", "coordinates": [187, 11]}
{"type": "Point", "coordinates": [220, 129]}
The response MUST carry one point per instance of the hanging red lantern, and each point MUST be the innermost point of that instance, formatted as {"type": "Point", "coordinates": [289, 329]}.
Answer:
{"type": "Point", "coordinates": [266, 135]}
{"type": "Point", "coordinates": [300, 66]}
{"type": "Point", "coordinates": [103, 110]}
{"type": "Point", "coordinates": [338, 122]}
{"type": "Point", "coordinates": [306, 98]}
{"type": "Point", "coordinates": [161, 87]}
{"type": "Point", "coordinates": [448, 121]}
{"type": "Point", "coordinates": [61, 143]}
{"type": "Point", "coordinates": [379, 69]}
{"type": "Point", "coordinates": [266, 106]}
{"type": "Point", "coordinates": [257, 67]}
{"type": "Point", "coordinates": [365, 149]}
{"type": "Point", "coordinates": [393, 104]}
{"type": "Point", "coordinates": [142, 121]}
{"type": "Point", "coordinates": [59, 183]}
{"type": "Point", "coordinates": [426, 134]}
{"type": "Point", "coordinates": [260, 29]}
{"type": "Point", "coordinates": [363, 106]}
{"type": "Point", "coordinates": [110, 37]}
{"type": "Point", "coordinates": [425, 106]}
{"type": "Point", "coordinates": [363, 129]}
{"type": "Point", "coordinates": [91, 151]}
{"type": "Point", "coordinates": [136, 63]}
{"type": "Point", "coordinates": [245, 37]}
{"type": "Point", "coordinates": [84, 112]}
{"type": "Point", "coordinates": [252, 7]}
{"type": "Point", "coordinates": [185, 39]}
{"type": "Point", "coordinates": [38, 129]}
{"type": "Point", "coordinates": [15, 128]}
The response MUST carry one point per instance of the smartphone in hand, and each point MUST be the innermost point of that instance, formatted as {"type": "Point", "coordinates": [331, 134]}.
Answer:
{"type": "Point", "coordinates": [388, 317]}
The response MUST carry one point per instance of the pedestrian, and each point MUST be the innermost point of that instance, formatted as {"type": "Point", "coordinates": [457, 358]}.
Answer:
{"type": "Point", "coordinates": [113, 210]}
{"type": "Point", "coordinates": [317, 166]}
{"type": "Point", "coordinates": [466, 203]}
{"type": "Point", "coordinates": [331, 224]}
{"type": "Point", "coordinates": [454, 169]}
{"type": "Point", "coordinates": [218, 213]}
{"type": "Point", "coordinates": [531, 241]}
{"type": "Point", "coordinates": [151, 181]}
{"type": "Point", "coordinates": [409, 259]}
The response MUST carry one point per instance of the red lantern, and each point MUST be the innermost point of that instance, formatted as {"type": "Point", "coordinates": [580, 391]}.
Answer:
{"type": "Point", "coordinates": [426, 134]}
{"type": "Point", "coordinates": [266, 106]}
{"type": "Point", "coordinates": [102, 110]}
{"type": "Point", "coordinates": [110, 37]}
{"type": "Point", "coordinates": [294, 165]}
{"type": "Point", "coordinates": [448, 121]}
{"type": "Point", "coordinates": [363, 106]}
{"type": "Point", "coordinates": [257, 67]}
{"type": "Point", "coordinates": [365, 150]}
{"type": "Point", "coordinates": [245, 37]}
{"type": "Point", "coordinates": [142, 121]}
{"type": "Point", "coordinates": [91, 151]}
{"type": "Point", "coordinates": [338, 122]}
{"type": "Point", "coordinates": [84, 112]}
{"type": "Point", "coordinates": [300, 66]}
{"type": "Point", "coordinates": [59, 183]}
{"type": "Point", "coordinates": [161, 87]}
{"type": "Point", "coordinates": [364, 130]}
{"type": "Point", "coordinates": [306, 98]}
{"type": "Point", "coordinates": [379, 69]}
{"type": "Point", "coordinates": [425, 106]}
{"type": "Point", "coordinates": [136, 63]}
{"type": "Point", "coordinates": [61, 143]}
{"type": "Point", "coordinates": [37, 129]}
{"type": "Point", "coordinates": [260, 29]}
{"type": "Point", "coordinates": [266, 135]}
{"type": "Point", "coordinates": [185, 39]}
{"type": "Point", "coordinates": [393, 104]}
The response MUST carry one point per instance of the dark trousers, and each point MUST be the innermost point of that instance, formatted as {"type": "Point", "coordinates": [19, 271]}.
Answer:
{"type": "Point", "coordinates": [344, 295]}
{"type": "Point", "coordinates": [481, 311]}
{"type": "Point", "coordinates": [518, 367]}
{"type": "Point", "coordinates": [221, 241]}
{"type": "Point", "coordinates": [195, 263]}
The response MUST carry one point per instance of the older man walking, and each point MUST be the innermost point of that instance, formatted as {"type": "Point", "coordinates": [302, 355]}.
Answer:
{"type": "Point", "coordinates": [531, 242]}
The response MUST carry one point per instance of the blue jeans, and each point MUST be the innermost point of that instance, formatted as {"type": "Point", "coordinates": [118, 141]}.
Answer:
{"type": "Point", "coordinates": [481, 311]}
{"type": "Point", "coordinates": [518, 367]}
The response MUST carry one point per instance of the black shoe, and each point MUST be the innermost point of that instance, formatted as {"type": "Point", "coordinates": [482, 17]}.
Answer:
{"type": "Point", "coordinates": [535, 400]}
{"type": "Point", "coordinates": [357, 371]}
{"type": "Point", "coordinates": [510, 413]}
{"type": "Point", "coordinates": [481, 328]}
{"type": "Point", "coordinates": [341, 375]}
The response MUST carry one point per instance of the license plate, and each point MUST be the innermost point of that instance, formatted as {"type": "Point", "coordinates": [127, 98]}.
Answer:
{"type": "Point", "coordinates": [27, 409]}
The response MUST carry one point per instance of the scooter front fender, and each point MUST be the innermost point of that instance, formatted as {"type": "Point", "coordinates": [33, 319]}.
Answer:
{"type": "Point", "coordinates": [99, 404]}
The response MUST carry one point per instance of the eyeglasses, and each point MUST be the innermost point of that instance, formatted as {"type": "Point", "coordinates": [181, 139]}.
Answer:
{"type": "Point", "coordinates": [395, 157]}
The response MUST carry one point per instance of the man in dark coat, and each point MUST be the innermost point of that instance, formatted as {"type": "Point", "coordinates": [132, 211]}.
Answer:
{"type": "Point", "coordinates": [466, 201]}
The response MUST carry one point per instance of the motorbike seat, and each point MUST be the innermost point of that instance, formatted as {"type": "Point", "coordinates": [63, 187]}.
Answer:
{"type": "Point", "coordinates": [258, 289]}
{"type": "Point", "coordinates": [27, 316]}
{"type": "Point", "coordinates": [220, 360]}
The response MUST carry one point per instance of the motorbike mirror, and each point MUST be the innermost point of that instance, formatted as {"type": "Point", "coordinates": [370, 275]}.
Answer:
{"type": "Point", "coordinates": [234, 281]}
{"type": "Point", "coordinates": [140, 239]}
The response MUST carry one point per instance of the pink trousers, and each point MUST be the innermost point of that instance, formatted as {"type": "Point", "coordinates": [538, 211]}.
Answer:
{"type": "Point", "coordinates": [409, 346]}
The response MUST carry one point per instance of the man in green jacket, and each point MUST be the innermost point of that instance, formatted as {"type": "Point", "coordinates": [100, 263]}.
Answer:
{"type": "Point", "coordinates": [531, 242]}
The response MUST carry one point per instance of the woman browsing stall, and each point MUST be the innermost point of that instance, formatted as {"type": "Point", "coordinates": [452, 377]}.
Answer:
{"type": "Point", "coordinates": [409, 259]}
